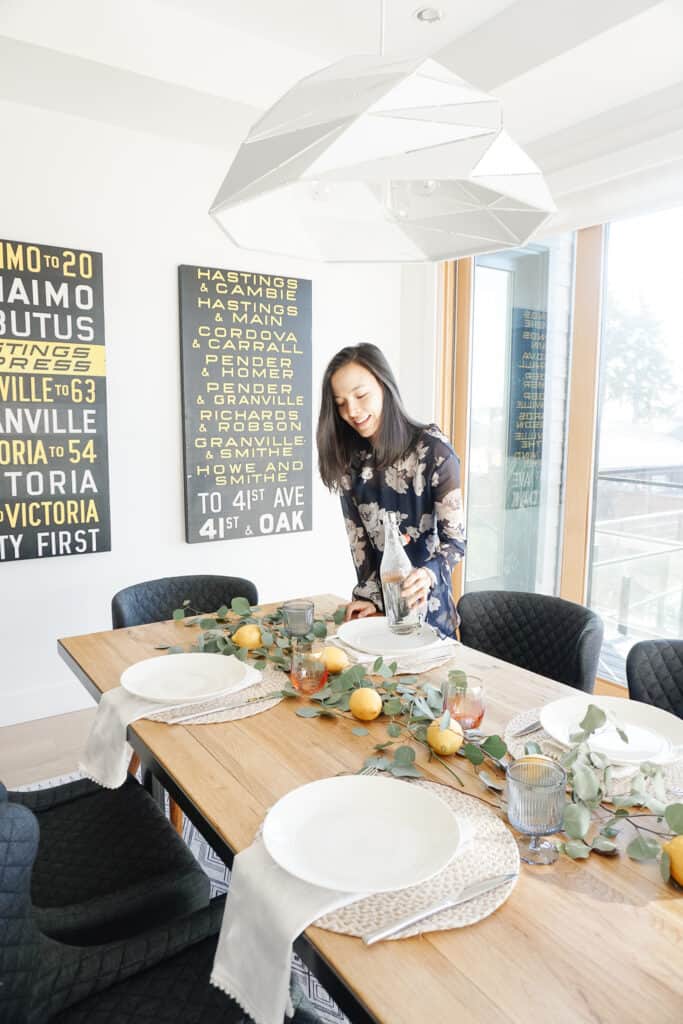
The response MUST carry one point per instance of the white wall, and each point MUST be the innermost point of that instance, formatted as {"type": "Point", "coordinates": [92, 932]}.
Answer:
{"type": "Point", "coordinates": [142, 202]}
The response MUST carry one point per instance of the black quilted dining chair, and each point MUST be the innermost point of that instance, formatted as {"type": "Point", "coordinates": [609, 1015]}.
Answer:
{"type": "Point", "coordinates": [547, 635]}
{"type": "Point", "coordinates": [156, 600]}
{"type": "Point", "coordinates": [110, 865]}
{"type": "Point", "coordinates": [160, 975]}
{"type": "Point", "coordinates": [654, 673]}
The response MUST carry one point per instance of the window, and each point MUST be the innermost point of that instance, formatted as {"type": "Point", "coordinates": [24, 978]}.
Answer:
{"type": "Point", "coordinates": [636, 560]}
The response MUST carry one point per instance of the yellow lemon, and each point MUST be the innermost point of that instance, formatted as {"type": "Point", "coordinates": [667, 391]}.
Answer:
{"type": "Point", "coordinates": [675, 850]}
{"type": "Point", "coordinates": [365, 704]}
{"type": "Point", "coordinates": [445, 741]}
{"type": "Point", "coordinates": [335, 660]}
{"type": "Point", "coordinates": [247, 636]}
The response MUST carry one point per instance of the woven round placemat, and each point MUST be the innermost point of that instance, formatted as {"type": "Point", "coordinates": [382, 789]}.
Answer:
{"type": "Point", "coordinates": [492, 850]}
{"type": "Point", "coordinates": [251, 701]}
{"type": "Point", "coordinates": [621, 774]}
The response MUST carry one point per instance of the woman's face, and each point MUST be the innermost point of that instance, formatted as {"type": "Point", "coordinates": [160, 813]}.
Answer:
{"type": "Point", "coordinates": [358, 396]}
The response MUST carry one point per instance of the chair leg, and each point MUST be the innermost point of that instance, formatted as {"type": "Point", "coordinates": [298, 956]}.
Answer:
{"type": "Point", "coordinates": [176, 815]}
{"type": "Point", "coordinates": [134, 765]}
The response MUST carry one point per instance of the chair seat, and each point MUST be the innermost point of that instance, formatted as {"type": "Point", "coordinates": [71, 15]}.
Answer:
{"type": "Point", "coordinates": [176, 991]}
{"type": "Point", "coordinates": [109, 864]}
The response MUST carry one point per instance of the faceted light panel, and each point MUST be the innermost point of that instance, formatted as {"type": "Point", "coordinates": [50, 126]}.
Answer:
{"type": "Point", "coordinates": [381, 160]}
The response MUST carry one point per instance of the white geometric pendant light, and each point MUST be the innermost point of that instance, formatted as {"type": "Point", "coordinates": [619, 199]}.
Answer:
{"type": "Point", "coordinates": [375, 159]}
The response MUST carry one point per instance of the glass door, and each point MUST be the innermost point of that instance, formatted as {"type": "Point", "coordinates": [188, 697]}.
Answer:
{"type": "Point", "coordinates": [518, 404]}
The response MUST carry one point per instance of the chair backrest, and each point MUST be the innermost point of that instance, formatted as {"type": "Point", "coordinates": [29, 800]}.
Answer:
{"type": "Point", "coordinates": [654, 673]}
{"type": "Point", "coordinates": [18, 935]}
{"type": "Point", "coordinates": [547, 635]}
{"type": "Point", "coordinates": [156, 600]}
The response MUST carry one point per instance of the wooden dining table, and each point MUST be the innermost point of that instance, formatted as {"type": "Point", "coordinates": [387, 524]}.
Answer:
{"type": "Point", "coordinates": [598, 940]}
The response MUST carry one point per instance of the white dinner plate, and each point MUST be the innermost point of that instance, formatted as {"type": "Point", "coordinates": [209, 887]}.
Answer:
{"type": "Point", "coordinates": [373, 636]}
{"type": "Point", "coordinates": [653, 734]}
{"type": "Point", "coordinates": [358, 833]}
{"type": "Point", "coordinates": [186, 678]}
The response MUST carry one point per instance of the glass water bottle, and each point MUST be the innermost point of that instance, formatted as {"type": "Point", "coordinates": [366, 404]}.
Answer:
{"type": "Point", "coordinates": [393, 569]}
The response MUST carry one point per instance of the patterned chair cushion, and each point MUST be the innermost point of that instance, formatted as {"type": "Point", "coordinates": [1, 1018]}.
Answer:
{"type": "Point", "coordinates": [109, 863]}
{"type": "Point", "coordinates": [43, 980]}
{"type": "Point", "coordinates": [156, 600]}
{"type": "Point", "coordinates": [547, 635]}
{"type": "Point", "coordinates": [654, 672]}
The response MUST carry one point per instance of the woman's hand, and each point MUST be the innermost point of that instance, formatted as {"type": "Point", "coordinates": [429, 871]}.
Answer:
{"type": "Point", "coordinates": [359, 610]}
{"type": "Point", "coordinates": [416, 587]}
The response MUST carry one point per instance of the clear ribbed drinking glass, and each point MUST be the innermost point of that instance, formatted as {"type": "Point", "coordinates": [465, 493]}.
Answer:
{"type": "Point", "coordinates": [536, 797]}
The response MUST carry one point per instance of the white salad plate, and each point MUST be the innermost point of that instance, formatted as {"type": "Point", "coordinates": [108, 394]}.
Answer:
{"type": "Point", "coordinates": [653, 734]}
{"type": "Point", "coordinates": [358, 833]}
{"type": "Point", "coordinates": [186, 678]}
{"type": "Point", "coordinates": [373, 636]}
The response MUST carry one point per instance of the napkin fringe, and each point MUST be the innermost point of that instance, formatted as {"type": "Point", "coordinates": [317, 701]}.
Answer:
{"type": "Point", "coordinates": [98, 782]}
{"type": "Point", "coordinates": [230, 988]}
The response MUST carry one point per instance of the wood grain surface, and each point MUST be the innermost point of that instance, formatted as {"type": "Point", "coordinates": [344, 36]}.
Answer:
{"type": "Point", "coordinates": [598, 941]}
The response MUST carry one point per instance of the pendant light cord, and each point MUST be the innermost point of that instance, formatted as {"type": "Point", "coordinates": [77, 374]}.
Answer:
{"type": "Point", "coordinates": [381, 28]}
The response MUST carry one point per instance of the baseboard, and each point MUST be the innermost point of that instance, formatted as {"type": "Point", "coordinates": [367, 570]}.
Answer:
{"type": "Point", "coordinates": [29, 705]}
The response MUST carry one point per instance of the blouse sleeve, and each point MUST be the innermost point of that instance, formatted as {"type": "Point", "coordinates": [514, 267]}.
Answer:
{"type": "Point", "coordinates": [368, 587]}
{"type": "Point", "coordinates": [449, 533]}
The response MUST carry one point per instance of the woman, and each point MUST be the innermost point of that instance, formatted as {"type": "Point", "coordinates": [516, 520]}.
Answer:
{"type": "Point", "coordinates": [380, 460]}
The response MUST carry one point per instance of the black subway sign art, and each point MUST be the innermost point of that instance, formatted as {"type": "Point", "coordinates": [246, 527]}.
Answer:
{"type": "Point", "coordinates": [246, 375]}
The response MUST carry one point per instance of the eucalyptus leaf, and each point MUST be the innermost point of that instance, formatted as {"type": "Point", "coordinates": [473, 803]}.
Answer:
{"type": "Point", "coordinates": [325, 712]}
{"type": "Point", "coordinates": [622, 801]}
{"type": "Point", "coordinates": [420, 733]}
{"type": "Point", "coordinates": [392, 667]}
{"type": "Point", "coordinates": [674, 818]}
{"type": "Point", "coordinates": [344, 702]}
{"type": "Point", "coordinates": [382, 746]}
{"type": "Point", "coordinates": [472, 753]}
{"type": "Point", "coordinates": [532, 748]}
{"type": "Point", "coordinates": [598, 760]}
{"type": "Point", "coordinates": [577, 819]}
{"type": "Point", "coordinates": [266, 638]}
{"type": "Point", "coordinates": [385, 672]}
{"type": "Point", "coordinates": [377, 664]}
{"type": "Point", "coordinates": [603, 845]}
{"type": "Point", "coordinates": [495, 746]}
{"type": "Point", "coordinates": [421, 709]}
{"type": "Point", "coordinates": [567, 760]}
{"type": "Point", "coordinates": [282, 641]}
{"type": "Point", "coordinates": [665, 866]}
{"type": "Point", "coordinates": [161, 647]}
{"type": "Point", "coordinates": [643, 848]}
{"type": "Point", "coordinates": [319, 629]}
{"type": "Point", "coordinates": [622, 735]}
{"type": "Point", "coordinates": [577, 849]}
{"type": "Point", "coordinates": [445, 720]}
{"type": "Point", "coordinates": [609, 832]}
{"type": "Point", "coordinates": [392, 706]}
{"type": "Point", "coordinates": [241, 653]}
{"type": "Point", "coordinates": [394, 729]}
{"type": "Point", "coordinates": [178, 613]}
{"type": "Point", "coordinates": [308, 712]}
{"type": "Point", "coordinates": [405, 690]}
{"type": "Point", "coordinates": [339, 616]}
{"type": "Point", "coordinates": [240, 606]}
{"type": "Point", "coordinates": [207, 623]}
{"type": "Point", "coordinates": [578, 737]}
{"type": "Point", "coordinates": [657, 807]}
{"type": "Point", "coordinates": [585, 784]}
{"type": "Point", "coordinates": [434, 697]}
{"type": "Point", "coordinates": [222, 611]}
{"type": "Point", "coordinates": [404, 755]}
{"type": "Point", "coordinates": [401, 770]}
{"type": "Point", "coordinates": [381, 763]}
{"type": "Point", "coordinates": [176, 649]}
{"type": "Point", "coordinates": [458, 678]}
{"type": "Point", "coordinates": [360, 730]}
{"type": "Point", "coordinates": [594, 719]}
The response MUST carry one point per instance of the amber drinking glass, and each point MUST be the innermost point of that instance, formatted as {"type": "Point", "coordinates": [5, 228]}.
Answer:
{"type": "Point", "coordinates": [308, 672]}
{"type": "Point", "coordinates": [465, 703]}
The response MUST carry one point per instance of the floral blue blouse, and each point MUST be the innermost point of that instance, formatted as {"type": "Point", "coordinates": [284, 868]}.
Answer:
{"type": "Point", "coordinates": [424, 488]}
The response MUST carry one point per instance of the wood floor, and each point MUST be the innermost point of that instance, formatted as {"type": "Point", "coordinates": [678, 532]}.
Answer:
{"type": "Point", "coordinates": [44, 748]}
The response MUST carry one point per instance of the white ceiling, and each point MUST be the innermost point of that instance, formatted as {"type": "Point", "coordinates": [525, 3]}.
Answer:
{"type": "Point", "coordinates": [592, 88]}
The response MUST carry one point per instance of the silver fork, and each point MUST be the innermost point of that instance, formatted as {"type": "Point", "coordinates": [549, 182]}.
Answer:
{"type": "Point", "coordinates": [368, 771]}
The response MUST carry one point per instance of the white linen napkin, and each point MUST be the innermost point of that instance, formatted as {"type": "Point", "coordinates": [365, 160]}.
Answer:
{"type": "Point", "coordinates": [107, 751]}
{"type": "Point", "coordinates": [266, 909]}
{"type": "Point", "coordinates": [412, 663]}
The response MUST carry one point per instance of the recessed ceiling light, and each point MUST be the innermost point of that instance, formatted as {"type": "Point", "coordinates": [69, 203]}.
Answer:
{"type": "Point", "coordinates": [428, 15]}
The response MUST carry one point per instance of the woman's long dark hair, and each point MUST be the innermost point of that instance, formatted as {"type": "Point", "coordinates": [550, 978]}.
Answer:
{"type": "Point", "coordinates": [338, 442]}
